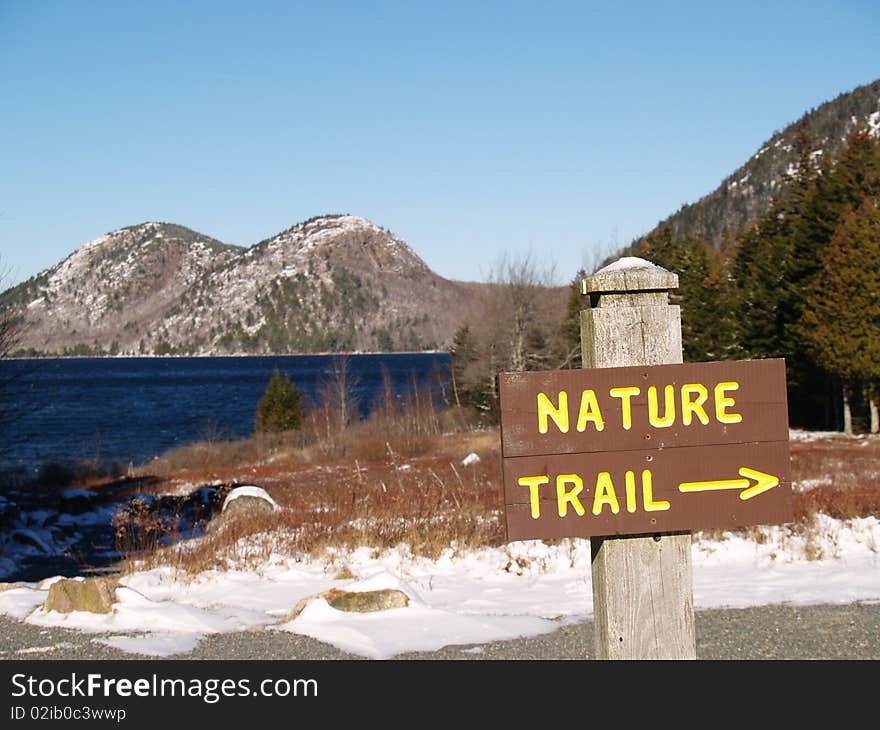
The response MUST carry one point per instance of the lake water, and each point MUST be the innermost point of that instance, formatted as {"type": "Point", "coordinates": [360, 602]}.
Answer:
{"type": "Point", "coordinates": [132, 409]}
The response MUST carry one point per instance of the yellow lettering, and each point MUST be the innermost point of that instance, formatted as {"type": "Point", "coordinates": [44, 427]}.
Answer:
{"type": "Point", "coordinates": [630, 492]}
{"type": "Point", "coordinates": [625, 394]}
{"type": "Point", "coordinates": [569, 486]}
{"type": "Point", "coordinates": [533, 483]}
{"type": "Point", "coordinates": [605, 494]}
{"type": "Point", "coordinates": [691, 408]}
{"type": "Point", "coordinates": [589, 411]}
{"type": "Point", "coordinates": [668, 417]}
{"type": "Point", "coordinates": [559, 414]}
{"type": "Point", "coordinates": [570, 497]}
{"type": "Point", "coordinates": [722, 403]}
{"type": "Point", "coordinates": [648, 494]}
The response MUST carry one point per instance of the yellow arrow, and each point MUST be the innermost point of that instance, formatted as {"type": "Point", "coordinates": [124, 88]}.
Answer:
{"type": "Point", "coordinates": [763, 482]}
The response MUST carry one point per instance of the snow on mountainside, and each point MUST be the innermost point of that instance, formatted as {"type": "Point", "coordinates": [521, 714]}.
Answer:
{"type": "Point", "coordinates": [331, 283]}
{"type": "Point", "coordinates": [102, 295]}
{"type": "Point", "coordinates": [745, 194]}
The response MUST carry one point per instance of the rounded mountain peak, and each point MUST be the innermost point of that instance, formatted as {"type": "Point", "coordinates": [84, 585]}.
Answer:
{"type": "Point", "coordinates": [341, 240]}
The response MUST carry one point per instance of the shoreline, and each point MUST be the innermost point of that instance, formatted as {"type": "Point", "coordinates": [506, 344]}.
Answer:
{"type": "Point", "coordinates": [227, 355]}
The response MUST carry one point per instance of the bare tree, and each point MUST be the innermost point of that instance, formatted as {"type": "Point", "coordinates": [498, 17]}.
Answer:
{"type": "Point", "coordinates": [337, 395]}
{"type": "Point", "coordinates": [518, 327]}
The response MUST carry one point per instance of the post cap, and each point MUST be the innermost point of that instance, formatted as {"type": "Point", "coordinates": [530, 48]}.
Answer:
{"type": "Point", "coordinates": [629, 274]}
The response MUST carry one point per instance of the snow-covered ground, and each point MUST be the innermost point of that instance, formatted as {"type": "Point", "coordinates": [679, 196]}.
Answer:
{"type": "Point", "coordinates": [524, 588]}
{"type": "Point", "coordinates": [520, 589]}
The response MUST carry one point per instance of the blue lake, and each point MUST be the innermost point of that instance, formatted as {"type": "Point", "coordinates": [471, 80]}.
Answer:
{"type": "Point", "coordinates": [132, 409]}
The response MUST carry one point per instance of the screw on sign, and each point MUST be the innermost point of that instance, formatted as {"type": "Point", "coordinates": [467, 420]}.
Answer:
{"type": "Point", "coordinates": [633, 450]}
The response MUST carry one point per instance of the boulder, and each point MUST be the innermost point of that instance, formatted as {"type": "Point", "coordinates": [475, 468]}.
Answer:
{"type": "Point", "coordinates": [243, 502]}
{"type": "Point", "coordinates": [95, 595]}
{"type": "Point", "coordinates": [356, 601]}
{"type": "Point", "coordinates": [248, 499]}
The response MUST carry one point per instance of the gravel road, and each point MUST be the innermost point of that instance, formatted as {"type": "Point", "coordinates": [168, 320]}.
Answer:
{"type": "Point", "coordinates": [832, 632]}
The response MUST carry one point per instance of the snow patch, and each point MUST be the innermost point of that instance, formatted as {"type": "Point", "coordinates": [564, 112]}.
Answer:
{"type": "Point", "coordinates": [250, 490]}
{"type": "Point", "coordinates": [626, 262]}
{"type": "Point", "coordinates": [153, 644]}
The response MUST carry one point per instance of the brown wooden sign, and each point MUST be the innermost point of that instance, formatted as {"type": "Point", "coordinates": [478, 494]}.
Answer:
{"type": "Point", "coordinates": [645, 449]}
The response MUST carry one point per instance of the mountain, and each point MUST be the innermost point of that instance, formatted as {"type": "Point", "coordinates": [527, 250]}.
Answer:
{"type": "Point", "coordinates": [744, 195]}
{"type": "Point", "coordinates": [331, 283]}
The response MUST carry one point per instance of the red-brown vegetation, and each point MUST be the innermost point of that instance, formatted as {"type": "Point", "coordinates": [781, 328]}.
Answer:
{"type": "Point", "coordinates": [378, 486]}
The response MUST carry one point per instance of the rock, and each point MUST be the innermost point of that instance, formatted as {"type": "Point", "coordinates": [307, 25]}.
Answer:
{"type": "Point", "coordinates": [245, 501]}
{"type": "Point", "coordinates": [11, 586]}
{"type": "Point", "coordinates": [248, 499]}
{"type": "Point", "coordinates": [355, 601]}
{"type": "Point", "coordinates": [366, 601]}
{"type": "Point", "coordinates": [248, 506]}
{"type": "Point", "coordinates": [95, 595]}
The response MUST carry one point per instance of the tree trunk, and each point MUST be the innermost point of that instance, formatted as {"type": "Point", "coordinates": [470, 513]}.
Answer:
{"type": "Point", "coordinates": [518, 345]}
{"type": "Point", "coordinates": [847, 410]}
{"type": "Point", "coordinates": [454, 387]}
{"type": "Point", "coordinates": [875, 412]}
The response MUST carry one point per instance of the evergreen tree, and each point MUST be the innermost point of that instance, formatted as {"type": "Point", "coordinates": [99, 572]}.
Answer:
{"type": "Point", "coordinates": [473, 369]}
{"type": "Point", "coordinates": [279, 409]}
{"type": "Point", "coordinates": [817, 202]}
{"type": "Point", "coordinates": [774, 262]}
{"type": "Point", "coordinates": [571, 325]}
{"type": "Point", "coordinates": [759, 272]}
{"type": "Point", "coordinates": [720, 304]}
{"type": "Point", "coordinates": [810, 404]}
{"type": "Point", "coordinates": [842, 312]}
{"type": "Point", "coordinates": [703, 326]}
{"type": "Point", "coordinates": [463, 352]}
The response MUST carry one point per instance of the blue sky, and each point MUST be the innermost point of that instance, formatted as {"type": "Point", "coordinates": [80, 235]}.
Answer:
{"type": "Point", "coordinates": [472, 130]}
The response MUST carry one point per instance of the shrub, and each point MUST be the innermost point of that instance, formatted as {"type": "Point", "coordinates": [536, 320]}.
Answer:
{"type": "Point", "coordinates": [279, 409]}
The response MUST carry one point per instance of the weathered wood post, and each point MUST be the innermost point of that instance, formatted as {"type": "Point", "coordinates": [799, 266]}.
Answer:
{"type": "Point", "coordinates": [642, 585]}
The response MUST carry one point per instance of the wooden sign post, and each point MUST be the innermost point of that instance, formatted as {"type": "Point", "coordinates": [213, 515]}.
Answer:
{"type": "Point", "coordinates": [643, 604]}
{"type": "Point", "coordinates": [636, 450]}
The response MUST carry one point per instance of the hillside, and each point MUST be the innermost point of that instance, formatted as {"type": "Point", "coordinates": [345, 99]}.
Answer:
{"type": "Point", "coordinates": [108, 293]}
{"type": "Point", "coordinates": [331, 283]}
{"type": "Point", "coordinates": [746, 193]}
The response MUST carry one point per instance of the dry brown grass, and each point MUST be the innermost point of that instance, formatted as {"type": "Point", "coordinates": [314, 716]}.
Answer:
{"type": "Point", "coordinates": [393, 479]}
{"type": "Point", "coordinates": [836, 475]}
{"type": "Point", "coordinates": [429, 503]}
{"type": "Point", "coordinates": [384, 484]}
